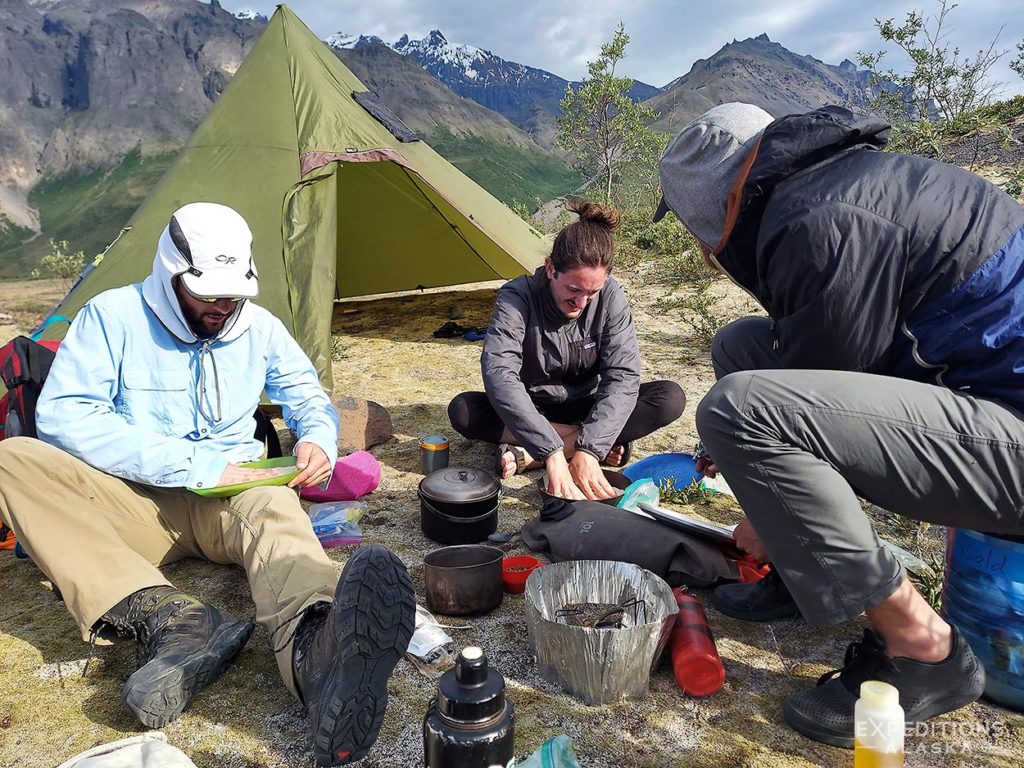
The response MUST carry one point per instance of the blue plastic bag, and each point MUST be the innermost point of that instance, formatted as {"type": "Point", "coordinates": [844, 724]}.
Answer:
{"type": "Point", "coordinates": [337, 522]}
{"type": "Point", "coordinates": [553, 753]}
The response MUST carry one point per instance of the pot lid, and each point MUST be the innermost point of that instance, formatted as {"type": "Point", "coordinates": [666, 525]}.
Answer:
{"type": "Point", "coordinates": [459, 484]}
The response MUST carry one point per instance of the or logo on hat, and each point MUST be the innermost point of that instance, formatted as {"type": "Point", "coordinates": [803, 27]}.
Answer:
{"type": "Point", "coordinates": [216, 245]}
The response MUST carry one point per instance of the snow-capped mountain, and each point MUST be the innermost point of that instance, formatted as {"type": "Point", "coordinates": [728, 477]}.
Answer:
{"type": "Point", "coordinates": [341, 40]}
{"type": "Point", "coordinates": [455, 62]}
{"type": "Point", "coordinates": [248, 14]}
{"type": "Point", "coordinates": [527, 96]}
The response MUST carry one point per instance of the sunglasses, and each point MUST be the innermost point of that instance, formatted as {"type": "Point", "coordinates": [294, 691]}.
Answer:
{"type": "Point", "coordinates": [211, 300]}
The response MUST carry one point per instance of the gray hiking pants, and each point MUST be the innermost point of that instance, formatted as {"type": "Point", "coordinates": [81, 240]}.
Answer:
{"type": "Point", "coordinates": [799, 446]}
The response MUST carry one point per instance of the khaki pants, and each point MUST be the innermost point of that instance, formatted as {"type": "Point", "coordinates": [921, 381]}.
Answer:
{"type": "Point", "coordinates": [99, 538]}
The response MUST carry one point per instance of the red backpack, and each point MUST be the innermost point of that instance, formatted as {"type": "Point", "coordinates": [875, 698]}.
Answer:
{"type": "Point", "coordinates": [23, 366]}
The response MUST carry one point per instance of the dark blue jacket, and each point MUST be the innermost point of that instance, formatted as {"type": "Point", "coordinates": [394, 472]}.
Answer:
{"type": "Point", "coordinates": [880, 262]}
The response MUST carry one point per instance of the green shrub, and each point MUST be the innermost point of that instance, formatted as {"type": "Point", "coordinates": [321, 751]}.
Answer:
{"type": "Point", "coordinates": [62, 264]}
{"type": "Point", "coordinates": [665, 252]}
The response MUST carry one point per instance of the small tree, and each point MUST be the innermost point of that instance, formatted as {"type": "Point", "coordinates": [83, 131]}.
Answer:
{"type": "Point", "coordinates": [600, 125]}
{"type": "Point", "coordinates": [1017, 65]}
{"type": "Point", "coordinates": [642, 180]}
{"type": "Point", "coordinates": [61, 264]}
{"type": "Point", "coordinates": [942, 82]}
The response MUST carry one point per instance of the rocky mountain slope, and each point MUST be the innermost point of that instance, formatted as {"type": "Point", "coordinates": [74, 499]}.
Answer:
{"type": "Point", "coordinates": [761, 72]}
{"type": "Point", "coordinates": [485, 145]}
{"type": "Point", "coordinates": [83, 82]}
{"type": "Point", "coordinates": [424, 103]}
{"type": "Point", "coordinates": [527, 96]}
{"type": "Point", "coordinates": [96, 98]}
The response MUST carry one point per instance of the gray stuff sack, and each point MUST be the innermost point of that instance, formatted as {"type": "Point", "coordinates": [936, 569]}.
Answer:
{"type": "Point", "coordinates": [590, 530]}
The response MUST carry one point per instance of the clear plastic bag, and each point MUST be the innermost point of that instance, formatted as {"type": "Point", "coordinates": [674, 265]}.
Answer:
{"type": "Point", "coordinates": [430, 649]}
{"type": "Point", "coordinates": [337, 522]}
{"type": "Point", "coordinates": [429, 638]}
{"type": "Point", "coordinates": [553, 753]}
{"type": "Point", "coordinates": [641, 491]}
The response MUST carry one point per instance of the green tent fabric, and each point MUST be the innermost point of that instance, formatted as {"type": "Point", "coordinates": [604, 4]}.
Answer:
{"type": "Point", "coordinates": [338, 206]}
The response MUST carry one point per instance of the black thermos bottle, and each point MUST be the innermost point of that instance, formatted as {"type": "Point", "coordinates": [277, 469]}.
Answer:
{"type": "Point", "coordinates": [469, 724]}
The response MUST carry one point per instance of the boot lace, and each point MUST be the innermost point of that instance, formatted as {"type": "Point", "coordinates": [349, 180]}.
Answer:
{"type": "Point", "coordinates": [865, 660]}
{"type": "Point", "coordinates": [151, 618]}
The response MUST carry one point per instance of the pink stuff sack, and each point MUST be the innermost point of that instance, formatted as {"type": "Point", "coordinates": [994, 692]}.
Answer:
{"type": "Point", "coordinates": [354, 475]}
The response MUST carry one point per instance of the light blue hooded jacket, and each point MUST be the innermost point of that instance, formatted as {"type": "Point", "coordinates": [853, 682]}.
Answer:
{"type": "Point", "coordinates": [134, 393]}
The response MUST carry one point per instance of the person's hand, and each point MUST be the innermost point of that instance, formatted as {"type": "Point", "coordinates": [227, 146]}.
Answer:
{"type": "Point", "coordinates": [706, 465]}
{"type": "Point", "coordinates": [314, 466]}
{"type": "Point", "coordinates": [560, 482]}
{"type": "Point", "coordinates": [234, 474]}
{"type": "Point", "coordinates": [748, 541]}
{"type": "Point", "coordinates": [587, 474]}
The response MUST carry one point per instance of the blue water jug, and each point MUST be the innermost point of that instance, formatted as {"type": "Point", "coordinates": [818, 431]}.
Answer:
{"type": "Point", "coordinates": [983, 595]}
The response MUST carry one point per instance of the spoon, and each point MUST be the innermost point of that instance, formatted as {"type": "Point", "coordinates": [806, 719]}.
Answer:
{"type": "Point", "coordinates": [502, 538]}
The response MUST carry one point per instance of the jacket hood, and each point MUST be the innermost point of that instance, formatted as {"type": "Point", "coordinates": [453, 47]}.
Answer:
{"type": "Point", "coordinates": [788, 146]}
{"type": "Point", "coordinates": [158, 291]}
{"type": "Point", "coordinates": [795, 142]}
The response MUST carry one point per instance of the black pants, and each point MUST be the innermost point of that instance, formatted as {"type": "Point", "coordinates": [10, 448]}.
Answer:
{"type": "Point", "coordinates": [658, 404]}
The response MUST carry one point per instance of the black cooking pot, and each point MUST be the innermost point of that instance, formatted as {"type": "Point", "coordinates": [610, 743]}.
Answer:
{"type": "Point", "coordinates": [463, 580]}
{"type": "Point", "coordinates": [459, 505]}
{"type": "Point", "coordinates": [615, 479]}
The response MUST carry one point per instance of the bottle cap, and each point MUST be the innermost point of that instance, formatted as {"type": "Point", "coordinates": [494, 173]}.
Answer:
{"type": "Point", "coordinates": [472, 692]}
{"type": "Point", "coordinates": [875, 693]}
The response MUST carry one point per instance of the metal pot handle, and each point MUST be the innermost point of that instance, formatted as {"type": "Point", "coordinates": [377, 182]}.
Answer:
{"type": "Point", "coordinates": [459, 520]}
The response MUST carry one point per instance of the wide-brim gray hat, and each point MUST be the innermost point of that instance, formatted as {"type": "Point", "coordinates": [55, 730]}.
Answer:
{"type": "Point", "coordinates": [701, 165]}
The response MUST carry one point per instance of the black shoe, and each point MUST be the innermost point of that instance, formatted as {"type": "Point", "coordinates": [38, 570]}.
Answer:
{"type": "Point", "coordinates": [345, 653]}
{"type": "Point", "coordinates": [185, 645]}
{"type": "Point", "coordinates": [450, 330]}
{"type": "Point", "coordinates": [763, 600]}
{"type": "Point", "coordinates": [825, 713]}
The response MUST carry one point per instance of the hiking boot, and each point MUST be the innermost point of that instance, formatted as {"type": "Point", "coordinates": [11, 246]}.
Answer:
{"type": "Point", "coordinates": [763, 600]}
{"type": "Point", "coordinates": [345, 651]}
{"type": "Point", "coordinates": [825, 713]}
{"type": "Point", "coordinates": [184, 644]}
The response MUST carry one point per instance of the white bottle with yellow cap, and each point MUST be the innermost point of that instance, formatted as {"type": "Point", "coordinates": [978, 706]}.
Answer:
{"type": "Point", "coordinates": [878, 727]}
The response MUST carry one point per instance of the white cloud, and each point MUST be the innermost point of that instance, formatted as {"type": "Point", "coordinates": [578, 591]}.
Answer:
{"type": "Point", "coordinates": [666, 36]}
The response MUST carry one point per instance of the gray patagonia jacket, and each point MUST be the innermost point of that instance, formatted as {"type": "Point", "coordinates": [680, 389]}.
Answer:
{"type": "Point", "coordinates": [535, 357]}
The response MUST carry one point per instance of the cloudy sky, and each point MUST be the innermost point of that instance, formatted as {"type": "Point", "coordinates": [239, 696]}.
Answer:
{"type": "Point", "coordinates": [666, 36]}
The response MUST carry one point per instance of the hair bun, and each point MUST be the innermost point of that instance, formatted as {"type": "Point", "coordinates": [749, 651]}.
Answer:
{"type": "Point", "coordinates": [590, 211]}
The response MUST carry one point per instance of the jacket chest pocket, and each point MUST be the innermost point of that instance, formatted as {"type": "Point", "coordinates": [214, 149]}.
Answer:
{"type": "Point", "coordinates": [158, 398]}
{"type": "Point", "coordinates": [582, 355]}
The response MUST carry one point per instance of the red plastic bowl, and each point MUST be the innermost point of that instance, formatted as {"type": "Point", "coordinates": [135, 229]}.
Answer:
{"type": "Point", "coordinates": [515, 571]}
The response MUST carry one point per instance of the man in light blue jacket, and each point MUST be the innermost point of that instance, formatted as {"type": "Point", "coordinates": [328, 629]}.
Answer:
{"type": "Point", "coordinates": [152, 393]}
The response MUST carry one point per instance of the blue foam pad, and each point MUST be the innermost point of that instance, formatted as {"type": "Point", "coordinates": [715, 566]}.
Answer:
{"type": "Point", "coordinates": [681, 467]}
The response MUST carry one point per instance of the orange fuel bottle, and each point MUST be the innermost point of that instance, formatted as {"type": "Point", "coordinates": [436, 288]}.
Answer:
{"type": "Point", "coordinates": [695, 660]}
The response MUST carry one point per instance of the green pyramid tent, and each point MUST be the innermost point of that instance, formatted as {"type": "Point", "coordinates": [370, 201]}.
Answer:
{"type": "Point", "coordinates": [338, 205]}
